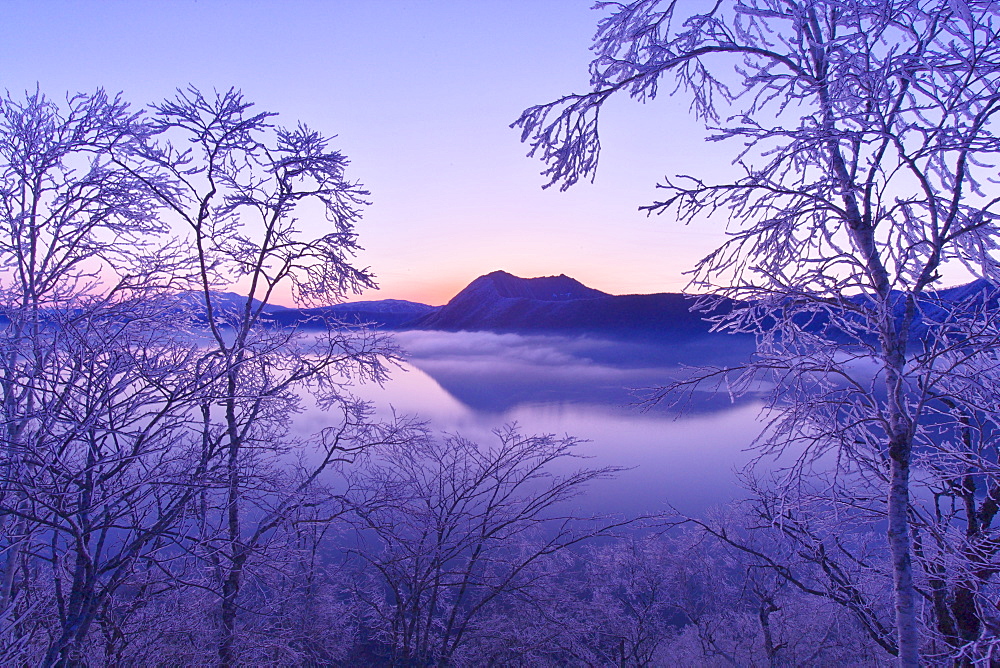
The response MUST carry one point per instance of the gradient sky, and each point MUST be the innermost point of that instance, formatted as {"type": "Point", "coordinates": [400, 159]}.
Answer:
{"type": "Point", "coordinates": [420, 94]}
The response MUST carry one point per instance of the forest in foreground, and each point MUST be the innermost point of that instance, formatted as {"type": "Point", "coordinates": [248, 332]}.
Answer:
{"type": "Point", "coordinates": [160, 508]}
{"type": "Point", "coordinates": [157, 506]}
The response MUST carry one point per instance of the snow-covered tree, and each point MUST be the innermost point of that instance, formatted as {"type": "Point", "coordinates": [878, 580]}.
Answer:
{"type": "Point", "coordinates": [865, 135]}
{"type": "Point", "coordinates": [237, 185]}
{"type": "Point", "coordinates": [145, 414]}
{"type": "Point", "coordinates": [93, 419]}
{"type": "Point", "coordinates": [450, 529]}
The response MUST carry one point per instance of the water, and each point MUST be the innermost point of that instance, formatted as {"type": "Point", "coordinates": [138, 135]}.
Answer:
{"type": "Point", "coordinates": [473, 383]}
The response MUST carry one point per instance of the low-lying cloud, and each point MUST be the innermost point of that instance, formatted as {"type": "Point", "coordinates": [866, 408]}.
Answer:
{"type": "Point", "coordinates": [495, 372]}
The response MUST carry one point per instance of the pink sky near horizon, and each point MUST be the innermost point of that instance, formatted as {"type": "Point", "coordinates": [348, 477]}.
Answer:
{"type": "Point", "coordinates": [420, 95]}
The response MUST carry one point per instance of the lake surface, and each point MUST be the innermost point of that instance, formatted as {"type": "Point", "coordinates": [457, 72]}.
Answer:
{"type": "Point", "coordinates": [474, 382]}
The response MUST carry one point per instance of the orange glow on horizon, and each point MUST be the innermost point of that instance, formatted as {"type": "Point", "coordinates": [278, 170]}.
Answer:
{"type": "Point", "coordinates": [439, 291]}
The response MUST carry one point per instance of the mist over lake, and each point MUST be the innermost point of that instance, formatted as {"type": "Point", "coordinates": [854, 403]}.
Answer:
{"type": "Point", "coordinates": [474, 382]}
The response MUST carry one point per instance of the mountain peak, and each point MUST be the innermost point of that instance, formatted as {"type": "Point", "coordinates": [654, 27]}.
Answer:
{"type": "Point", "coordinates": [501, 301]}
{"type": "Point", "coordinates": [542, 288]}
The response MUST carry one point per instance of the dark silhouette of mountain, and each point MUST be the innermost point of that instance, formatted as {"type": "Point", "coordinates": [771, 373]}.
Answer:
{"type": "Point", "coordinates": [977, 294]}
{"type": "Point", "coordinates": [938, 309]}
{"type": "Point", "coordinates": [226, 302]}
{"type": "Point", "coordinates": [501, 302]}
{"type": "Point", "coordinates": [385, 313]}
{"type": "Point", "coordinates": [500, 284]}
{"type": "Point", "coordinates": [947, 311]}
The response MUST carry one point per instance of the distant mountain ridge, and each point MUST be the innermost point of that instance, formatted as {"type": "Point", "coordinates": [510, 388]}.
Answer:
{"type": "Point", "coordinates": [502, 302]}
{"type": "Point", "coordinates": [384, 313]}
{"type": "Point", "coordinates": [544, 288]}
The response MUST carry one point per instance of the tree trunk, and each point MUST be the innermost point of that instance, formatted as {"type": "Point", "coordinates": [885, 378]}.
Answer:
{"type": "Point", "coordinates": [236, 551]}
{"type": "Point", "coordinates": [899, 546]}
{"type": "Point", "coordinates": [230, 592]}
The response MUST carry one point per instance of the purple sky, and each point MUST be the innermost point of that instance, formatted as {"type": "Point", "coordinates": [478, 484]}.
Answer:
{"type": "Point", "coordinates": [420, 94]}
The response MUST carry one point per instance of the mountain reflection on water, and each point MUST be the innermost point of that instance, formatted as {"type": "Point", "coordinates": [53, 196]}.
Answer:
{"type": "Point", "coordinates": [474, 382]}
{"type": "Point", "coordinates": [495, 373]}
